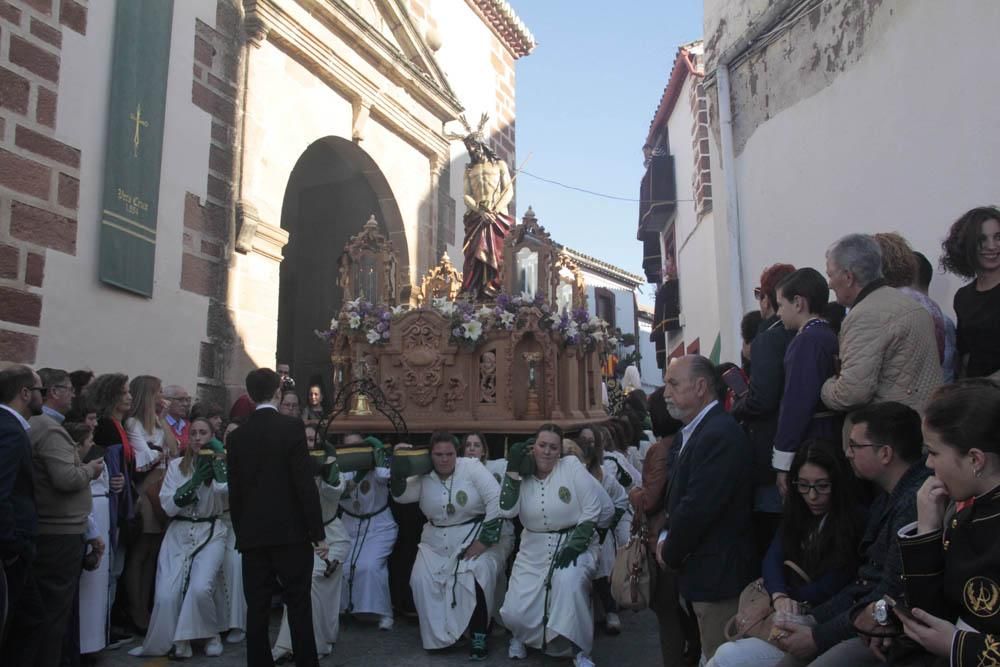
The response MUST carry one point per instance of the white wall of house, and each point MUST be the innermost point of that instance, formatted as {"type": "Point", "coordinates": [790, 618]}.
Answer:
{"type": "Point", "coordinates": [901, 135]}
{"type": "Point", "coordinates": [695, 239]}
{"type": "Point", "coordinates": [652, 376]}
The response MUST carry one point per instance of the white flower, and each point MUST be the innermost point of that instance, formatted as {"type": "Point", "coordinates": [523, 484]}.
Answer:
{"type": "Point", "coordinates": [334, 323]}
{"type": "Point", "coordinates": [444, 306]}
{"type": "Point", "coordinates": [353, 305]}
{"type": "Point", "coordinates": [398, 310]}
{"type": "Point", "coordinates": [595, 321]}
{"type": "Point", "coordinates": [598, 335]}
{"type": "Point", "coordinates": [354, 322]}
{"type": "Point", "coordinates": [507, 318]}
{"type": "Point", "coordinates": [473, 330]}
{"type": "Point", "coordinates": [613, 341]}
{"type": "Point", "coordinates": [373, 336]}
{"type": "Point", "coordinates": [484, 313]}
{"type": "Point", "coordinates": [526, 297]}
{"type": "Point", "coordinates": [572, 330]}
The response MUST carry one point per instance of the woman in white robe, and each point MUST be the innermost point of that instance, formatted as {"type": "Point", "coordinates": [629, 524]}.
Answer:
{"type": "Point", "coordinates": [559, 504]}
{"type": "Point", "coordinates": [618, 466]}
{"type": "Point", "coordinates": [364, 508]}
{"type": "Point", "coordinates": [458, 566]}
{"type": "Point", "coordinates": [193, 549]}
{"type": "Point", "coordinates": [327, 574]}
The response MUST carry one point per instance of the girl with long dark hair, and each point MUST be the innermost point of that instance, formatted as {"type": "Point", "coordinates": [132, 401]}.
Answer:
{"type": "Point", "coordinates": [820, 530]}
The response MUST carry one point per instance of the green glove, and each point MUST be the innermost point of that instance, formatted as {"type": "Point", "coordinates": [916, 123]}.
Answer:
{"type": "Point", "coordinates": [519, 458]}
{"type": "Point", "coordinates": [575, 544]}
{"type": "Point", "coordinates": [489, 534]}
{"type": "Point", "coordinates": [216, 446]}
{"type": "Point", "coordinates": [220, 473]}
{"type": "Point", "coordinates": [509, 492]}
{"type": "Point", "coordinates": [332, 476]}
{"type": "Point", "coordinates": [188, 492]}
{"type": "Point", "coordinates": [379, 450]}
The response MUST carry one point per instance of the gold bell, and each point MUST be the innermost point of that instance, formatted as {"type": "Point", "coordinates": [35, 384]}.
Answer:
{"type": "Point", "coordinates": [361, 408]}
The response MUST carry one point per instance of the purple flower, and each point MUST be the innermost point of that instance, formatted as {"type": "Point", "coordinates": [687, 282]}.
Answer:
{"type": "Point", "coordinates": [385, 334]}
{"type": "Point", "coordinates": [380, 327]}
{"type": "Point", "coordinates": [457, 332]}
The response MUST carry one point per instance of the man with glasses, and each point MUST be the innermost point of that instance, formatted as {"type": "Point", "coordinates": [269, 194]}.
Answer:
{"type": "Point", "coordinates": [20, 399]}
{"type": "Point", "coordinates": [178, 409]}
{"type": "Point", "coordinates": [885, 447]}
{"type": "Point", "coordinates": [63, 502]}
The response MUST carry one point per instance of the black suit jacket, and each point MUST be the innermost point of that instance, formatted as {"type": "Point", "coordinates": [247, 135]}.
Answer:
{"type": "Point", "coordinates": [709, 503]}
{"type": "Point", "coordinates": [273, 499]}
{"type": "Point", "coordinates": [18, 518]}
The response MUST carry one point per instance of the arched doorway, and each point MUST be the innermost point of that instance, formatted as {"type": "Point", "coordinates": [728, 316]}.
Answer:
{"type": "Point", "coordinates": [332, 191]}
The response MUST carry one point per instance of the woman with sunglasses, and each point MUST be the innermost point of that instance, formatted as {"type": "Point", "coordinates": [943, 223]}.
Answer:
{"type": "Point", "coordinates": [819, 532]}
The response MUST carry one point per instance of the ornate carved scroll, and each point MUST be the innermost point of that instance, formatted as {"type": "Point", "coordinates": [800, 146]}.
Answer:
{"type": "Point", "coordinates": [369, 267]}
{"type": "Point", "coordinates": [441, 281]}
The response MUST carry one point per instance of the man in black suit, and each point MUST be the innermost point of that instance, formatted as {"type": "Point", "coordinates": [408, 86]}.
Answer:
{"type": "Point", "coordinates": [709, 539]}
{"type": "Point", "coordinates": [276, 515]}
{"type": "Point", "coordinates": [20, 399]}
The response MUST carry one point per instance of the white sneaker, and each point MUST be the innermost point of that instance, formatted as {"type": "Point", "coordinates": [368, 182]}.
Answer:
{"type": "Point", "coordinates": [613, 623]}
{"type": "Point", "coordinates": [235, 636]}
{"type": "Point", "coordinates": [385, 623]}
{"type": "Point", "coordinates": [583, 660]}
{"type": "Point", "coordinates": [279, 653]}
{"type": "Point", "coordinates": [182, 649]}
{"type": "Point", "coordinates": [517, 650]}
{"type": "Point", "coordinates": [136, 652]}
{"type": "Point", "coordinates": [213, 648]}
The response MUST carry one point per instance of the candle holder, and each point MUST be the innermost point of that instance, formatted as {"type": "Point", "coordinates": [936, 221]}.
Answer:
{"type": "Point", "coordinates": [533, 406]}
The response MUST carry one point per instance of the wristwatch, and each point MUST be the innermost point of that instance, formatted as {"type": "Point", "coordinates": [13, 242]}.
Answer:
{"type": "Point", "coordinates": [880, 612]}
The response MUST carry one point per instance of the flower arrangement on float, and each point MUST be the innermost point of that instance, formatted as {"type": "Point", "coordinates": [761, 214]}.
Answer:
{"type": "Point", "coordinates": [470, 324]}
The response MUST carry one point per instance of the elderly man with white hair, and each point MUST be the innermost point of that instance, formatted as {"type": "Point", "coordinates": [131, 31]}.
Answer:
{"type": "Point", "coordinates": [888, 351]}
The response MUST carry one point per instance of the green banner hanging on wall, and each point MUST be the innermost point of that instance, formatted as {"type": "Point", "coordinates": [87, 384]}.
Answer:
{"type": "Point", "coordinates": [136, 113]}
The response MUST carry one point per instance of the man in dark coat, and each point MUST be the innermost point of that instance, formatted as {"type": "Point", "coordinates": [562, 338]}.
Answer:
{"type": "Point", "coordinates": [20, 399]}
{"type": "Point", "coordinates": [277, 519]}
{"type": "Point", "coordinates": [709, 539]}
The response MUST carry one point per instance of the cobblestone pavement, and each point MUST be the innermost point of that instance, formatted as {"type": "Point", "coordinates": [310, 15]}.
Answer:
{"type": "Point", "coordinates": [362, 645]}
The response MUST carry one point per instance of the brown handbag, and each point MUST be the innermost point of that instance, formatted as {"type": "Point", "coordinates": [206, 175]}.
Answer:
{"type": "Point", "coordinates": [632, 575]}
{"type": "Point", "coordinates": [755, 615]}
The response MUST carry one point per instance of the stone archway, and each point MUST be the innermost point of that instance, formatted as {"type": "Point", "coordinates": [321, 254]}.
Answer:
{"type": "Point", "coordinates": [333, 189]}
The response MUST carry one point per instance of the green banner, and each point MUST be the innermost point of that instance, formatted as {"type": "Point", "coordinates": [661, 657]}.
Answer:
{"type": "Point", "coordinates": [136, 112]}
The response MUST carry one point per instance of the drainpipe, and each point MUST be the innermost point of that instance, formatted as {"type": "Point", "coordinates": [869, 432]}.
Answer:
{"type": "Point", "coordinates": [732, 204]}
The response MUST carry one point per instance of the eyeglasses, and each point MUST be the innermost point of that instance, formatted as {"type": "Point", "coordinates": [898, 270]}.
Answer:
{"type": "Point", "coordinates": [63, 387]}
{"type": "Point", "coordinates": [38, 389]}
{"type": "Point", "coordinates": [855, 446]}
{"type": "Point", "coordinates": [756, 293]}
{"type": "Point", "coordinates": [821, 488]}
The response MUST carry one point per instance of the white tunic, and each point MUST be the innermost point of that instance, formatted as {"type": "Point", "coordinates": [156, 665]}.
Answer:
{"type": "Point", "coordinates": [94, 584]}
{"type": "Point", "coordinates": [185, 606]}
{"type": "Point", "coordinates": [614, 498]}
{"type": "Point", "coordinates": [235, 603]}
{"type": "Point", "coordinates": [497, 468]}
{"type": "Point", "coordinates": [325, 589]}
{"type": "Point", "coordinates": [569, 495]}
{"type": "Point", "coordinates": [444, 585]}
{"type": "Point", "coordinates": [366, 586]}
{"type": "Point", "coordinates": [624, 529]}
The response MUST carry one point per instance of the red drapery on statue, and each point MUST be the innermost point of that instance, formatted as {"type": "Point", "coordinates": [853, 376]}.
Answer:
{"type": "Point", "coordinates": [483, 250]}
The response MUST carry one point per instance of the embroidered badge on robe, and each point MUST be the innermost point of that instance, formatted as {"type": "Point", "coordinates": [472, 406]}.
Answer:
{"type": "Point", "coordinates": [982, 597]}
{"type": "Point", "coordinates": [461, 498]}
{"type": "Point", "coordinates": [565, 495]}
{"type": "Point", "coordinates": [366, 486]}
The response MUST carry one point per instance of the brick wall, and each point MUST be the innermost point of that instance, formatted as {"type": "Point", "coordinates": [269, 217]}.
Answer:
{"type": "Point", "coordinates": [502, 137]}
{"type": "Point", "coordinates": [702, 179]}
{"type": "Point", "coordinates": [39, 175]}
{"type": "Point", "coordinates": [206, 242]}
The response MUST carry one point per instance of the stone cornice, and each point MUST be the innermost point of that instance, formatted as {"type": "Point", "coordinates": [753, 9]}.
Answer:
{"type": "Point", "coordinates": [286, 33]}
{"type": "Point", "coordinates": [505, 24]}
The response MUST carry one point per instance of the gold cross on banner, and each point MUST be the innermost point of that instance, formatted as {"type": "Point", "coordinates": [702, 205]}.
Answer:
{"type": "Point", "coordinates": [137, 117]}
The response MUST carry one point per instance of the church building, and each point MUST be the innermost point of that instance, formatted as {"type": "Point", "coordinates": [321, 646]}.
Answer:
{"type": "Point", "coordinates": [178, 178]}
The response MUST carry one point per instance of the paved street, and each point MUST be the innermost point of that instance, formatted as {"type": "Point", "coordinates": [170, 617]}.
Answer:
{"type": "Point", "coordinates": [362, 644]}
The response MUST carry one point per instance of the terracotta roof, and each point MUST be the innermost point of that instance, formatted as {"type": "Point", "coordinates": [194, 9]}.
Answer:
{"type": "Point", "coordinates": [597, 266]}
{"type": "Point", "coordinates": [683, 65]}
{"type": "Point", "coordinates": [501, 17]}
